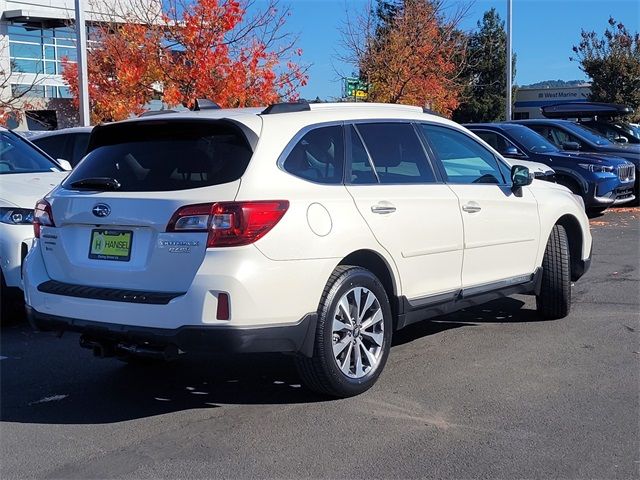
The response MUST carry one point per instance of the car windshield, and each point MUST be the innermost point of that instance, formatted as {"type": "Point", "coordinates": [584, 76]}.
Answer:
{"type": "Point", "coordinates": [588, 134]}
{"type": "Point", "coordinates": [530, 140]}
{"type": "Point", "coordinates": [18, 156]}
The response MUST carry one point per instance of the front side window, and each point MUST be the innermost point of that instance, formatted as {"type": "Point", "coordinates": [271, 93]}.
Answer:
{"type": "Point", "coordinates": [555, 135]}
{"type": "Point", "coordinates": [396, 152]}
{"type": "Point", "coordinates": [464, 160]}
{"type": "Point", "coordinates": [532, 141]}
{"type": "Point", "coordinates": [318, 156]}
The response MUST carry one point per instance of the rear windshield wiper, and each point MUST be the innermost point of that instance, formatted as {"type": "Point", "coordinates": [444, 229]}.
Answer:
{"type": "Point", "coordinates": [97, 183]}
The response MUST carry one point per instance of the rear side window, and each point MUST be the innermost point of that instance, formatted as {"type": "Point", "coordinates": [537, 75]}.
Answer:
{"type": "Point", "coordinates": [497, 141]}
{"type": "Point", "coordinates": [464, 160]}
{"type": "Point", "coordinates": [80, 144]}
{"type": "Point", "coordinates": [54, 145]}
{"type": "Point", "coordinates": [165, 155]}
{"type": "Point", "coordinates": [318, 156]}
{"type": "Point", "coordinates": [396, 152]}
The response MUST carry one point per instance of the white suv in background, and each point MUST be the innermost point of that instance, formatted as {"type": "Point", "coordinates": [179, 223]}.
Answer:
{"type": "Point", "coordinates": [26, 174]}
{"type": "Point", "coordinates": [317, 230]}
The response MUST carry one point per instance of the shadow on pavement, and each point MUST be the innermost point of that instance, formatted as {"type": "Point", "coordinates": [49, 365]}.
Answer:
{"type": "Point", "coordinates": [45, 380]}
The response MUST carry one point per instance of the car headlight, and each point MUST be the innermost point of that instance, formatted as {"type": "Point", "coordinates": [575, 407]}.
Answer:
{"type": "Point", "coordinates": [592, 167]}
{"type": "Point", "coordinates": [16, 216]}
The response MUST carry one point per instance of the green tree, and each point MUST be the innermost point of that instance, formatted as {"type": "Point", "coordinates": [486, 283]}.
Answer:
{"type": "Point", "coordinates": [613, 64]}
{"type": "Point", "coordinates": [484, 98]}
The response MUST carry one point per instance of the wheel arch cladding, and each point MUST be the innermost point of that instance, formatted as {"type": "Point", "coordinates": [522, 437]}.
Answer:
{"type": "Point", "coordinates": [574, 235]}
{"type": "Point", "coordinates": [377, 265]}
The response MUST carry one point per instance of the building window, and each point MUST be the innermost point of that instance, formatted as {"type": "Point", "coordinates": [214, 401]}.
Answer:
{"type": "Point", "coordinates": [36, 49]}
{"type": "Point", "coordinates": [520, 115]}
{"type": "Point", "coordinates": [40, 91]}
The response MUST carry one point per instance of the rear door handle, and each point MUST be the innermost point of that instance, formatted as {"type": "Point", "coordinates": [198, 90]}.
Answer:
{"type": "Point", "coordinates": [471, 207]}
{"type": "Point", "coordinates": [383, 208]}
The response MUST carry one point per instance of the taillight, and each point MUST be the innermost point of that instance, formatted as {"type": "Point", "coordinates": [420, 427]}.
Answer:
{"type": "Point", "coordinates": [42, 215]}
{"type": "Point", "coordinates": [230, 224]}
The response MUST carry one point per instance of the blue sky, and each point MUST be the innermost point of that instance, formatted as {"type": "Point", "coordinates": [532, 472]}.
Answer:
{"type": "Point", "coordinates": [543, 33]}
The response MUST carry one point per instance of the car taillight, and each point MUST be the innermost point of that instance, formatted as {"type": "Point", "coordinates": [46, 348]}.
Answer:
{"type": "Point", "coordinates": [230, 224]}
{"type": "Point", "coordinates": [42, 215]}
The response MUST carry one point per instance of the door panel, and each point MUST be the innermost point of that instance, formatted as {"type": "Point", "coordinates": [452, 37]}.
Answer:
{"type": "Point", "coordinates": [501, 227]}
{"type": "Point", "coordinates": [422, 232]}
{"type": "Point", "coordinates": [501, 233]}
{"type": "Point", "coordinates": [418, 222]}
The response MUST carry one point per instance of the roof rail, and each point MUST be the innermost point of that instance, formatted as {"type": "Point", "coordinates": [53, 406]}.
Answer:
{"type": "Point", "coordinates": [287, 107]}
{"type": "Point", "coordinates": [204, 104]}
{"type": "Point", "coordinates": [151, 113]}
{"type": "Point", "coordinates": [431, 112]}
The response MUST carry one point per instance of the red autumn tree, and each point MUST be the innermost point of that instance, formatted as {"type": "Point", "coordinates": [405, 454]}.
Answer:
{"type": "Point", "coordinates": [409, 53]}
{"type": "Point", "coordinates": [205, 49]}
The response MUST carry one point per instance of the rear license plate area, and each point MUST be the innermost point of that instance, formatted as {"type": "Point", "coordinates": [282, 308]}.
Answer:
{"type": "Point", "coordinates": [108, 244]}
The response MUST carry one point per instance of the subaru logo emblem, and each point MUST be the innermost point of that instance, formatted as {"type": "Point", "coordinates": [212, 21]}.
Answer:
{"type": "Point", "coordinates": [101, 210]}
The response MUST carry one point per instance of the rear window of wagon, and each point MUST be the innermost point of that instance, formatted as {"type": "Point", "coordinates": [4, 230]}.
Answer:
{"type": "Point", "coordinates": [164, 155]}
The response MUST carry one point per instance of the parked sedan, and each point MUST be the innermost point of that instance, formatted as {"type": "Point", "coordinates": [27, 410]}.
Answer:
{"type": "Point", "coordinates": [571, 136]}
{"type": "Point", "coordinates": [68, 143]}
{"type": "Point", "coordinates": [26, 174]}
{"type": "Point", "coordinates": [601, 180]}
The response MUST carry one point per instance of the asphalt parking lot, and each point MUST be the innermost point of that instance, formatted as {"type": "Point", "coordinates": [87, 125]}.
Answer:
{"type": "Point", "coordinates": [492, 392]}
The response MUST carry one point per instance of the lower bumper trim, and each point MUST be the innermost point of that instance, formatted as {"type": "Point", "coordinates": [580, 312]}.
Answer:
{"type": "Point", "coordinates": [296, 338]}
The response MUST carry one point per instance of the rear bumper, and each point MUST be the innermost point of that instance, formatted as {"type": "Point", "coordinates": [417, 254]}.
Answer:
{"type": "Point", "coordinates": [295, 338]}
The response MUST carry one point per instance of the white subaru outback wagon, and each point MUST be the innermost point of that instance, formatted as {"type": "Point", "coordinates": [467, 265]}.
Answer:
{"type": "Point", "coordinates": [316, 230]}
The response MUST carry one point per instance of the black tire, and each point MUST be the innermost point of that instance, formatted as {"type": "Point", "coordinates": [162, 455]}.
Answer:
{"type": "Point", "coordinates": [554, 300]}
{"type": "Point", "coordinates": [321, 373]}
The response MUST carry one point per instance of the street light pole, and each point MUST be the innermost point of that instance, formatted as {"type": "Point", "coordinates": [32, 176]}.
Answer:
{"type": "Point", "coordinates": [81, 46]}
{"type": "Point", "coordinates": [509, 62]}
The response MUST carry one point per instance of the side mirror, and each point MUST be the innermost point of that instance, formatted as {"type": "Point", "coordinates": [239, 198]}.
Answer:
{"type": "Point", "coordinates": [512, 152]}
{"type": "Point", "coordinates": [621, 139]}
{"type": "Point", "coordinates": [64, 164]}
{"type": "Point", "coordinates": [572, 146]}
{"type": "Point", "coordinates": [520, 176]}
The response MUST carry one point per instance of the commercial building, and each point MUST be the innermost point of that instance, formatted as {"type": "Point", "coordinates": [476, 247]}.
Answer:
{"type": "Point", "coordinates": [530, 100]}
{"type": "Point", "coordinates": [35, 37]}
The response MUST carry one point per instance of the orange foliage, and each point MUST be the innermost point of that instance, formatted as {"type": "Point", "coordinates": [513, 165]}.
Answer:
{"type": "Point", "coordinates": [208, 50]}
{"type": "Point", "coordinates": [415, 60]}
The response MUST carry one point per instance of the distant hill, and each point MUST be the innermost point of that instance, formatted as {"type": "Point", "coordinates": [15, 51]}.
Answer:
{"type": "Point", "coordinates": [556, 84]}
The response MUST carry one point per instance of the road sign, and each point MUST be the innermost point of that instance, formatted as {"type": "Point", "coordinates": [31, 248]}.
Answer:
{"type": "Point", "coordinates": [356, 88]}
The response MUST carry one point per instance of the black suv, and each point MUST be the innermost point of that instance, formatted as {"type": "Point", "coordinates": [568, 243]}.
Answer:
{"type": "Point", "coordinates": [571, 136]}
{"type": "Point", "coordinates": [604, 118]}
{"type": "Point", "coordinates": [601, 180]}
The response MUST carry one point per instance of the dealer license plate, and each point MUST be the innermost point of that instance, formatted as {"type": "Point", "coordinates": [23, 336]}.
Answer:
{"type": "Point", "coordinates": [111, 245]}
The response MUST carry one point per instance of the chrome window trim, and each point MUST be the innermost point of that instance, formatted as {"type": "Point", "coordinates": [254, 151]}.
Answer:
{"type": "Point", "coordinates": [366, 149]}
